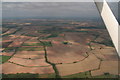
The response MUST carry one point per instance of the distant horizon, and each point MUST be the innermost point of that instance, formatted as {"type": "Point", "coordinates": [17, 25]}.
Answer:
{"type": "Point", "coordinates": [49, 10]}
{"type": "Point", "coordinates": [66, 18]}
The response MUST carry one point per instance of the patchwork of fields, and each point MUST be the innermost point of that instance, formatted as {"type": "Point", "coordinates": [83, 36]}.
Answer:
{"type": "Point", "coordinates": [57, 49]}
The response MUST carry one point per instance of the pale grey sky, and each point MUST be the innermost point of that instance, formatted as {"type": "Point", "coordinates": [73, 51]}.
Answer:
{"type": "Point", "coordinates": [50, 9]}
{"type": "Point", "coordinates": [56, 0]}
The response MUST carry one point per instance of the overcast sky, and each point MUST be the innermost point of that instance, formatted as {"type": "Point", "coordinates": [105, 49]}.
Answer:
{"type": "Point", "coordinates": [50, 9]}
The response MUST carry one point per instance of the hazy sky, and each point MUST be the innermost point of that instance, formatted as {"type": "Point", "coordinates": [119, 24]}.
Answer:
{"type": "Point", "coordinates": [56, 0]}
{"type": "Point", "coordinates": [50, 9]}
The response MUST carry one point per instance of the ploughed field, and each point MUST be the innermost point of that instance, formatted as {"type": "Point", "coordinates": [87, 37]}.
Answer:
{"type": "Point", "coordinates": [57, 49]}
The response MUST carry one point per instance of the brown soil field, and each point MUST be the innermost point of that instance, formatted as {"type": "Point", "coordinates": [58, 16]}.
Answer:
{"type": "Point", "coordinates": [106, 67]}
{"type": "Point", "coordinates": [99, 39]}
{"type": "Point", "coordinates": [108, 54]}
{"type": "Point", "coordinates": [32, 46]}
{"type": "Point", "coordinates": [9, 31]}
{"type": "Point", "coordinates": [7, 53]}
{"type": "Point", "coordinates": [90, 63]}
{"type": "Point", "coordinates": [60, 53]}
{"type": "Point", "coordinates": [30, 54]}
{"type": "Point", "coordinates": [76, 37]}
{"type": "Point", "coordinates": [10, 68]}
{"type": "Point", "coordinates": [18, 33]}
{"type": "Point", "coordinates": [97, 46]}
{"type": "Point", "coordinates": [29, 62]}
{"type": "Point", "coordinates": [29, 58]}
{"type": "Point", "coordinates": [17, 42]}
{"type": "Point", "coordinates": [60, 39]}
{"type": "Point", "coordinates": [8, 39]}
{"type": "Point", "coordinates": [33, 40]}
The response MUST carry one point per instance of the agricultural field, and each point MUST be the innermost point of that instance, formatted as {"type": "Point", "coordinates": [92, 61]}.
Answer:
{"type": "Point", "coordinates": [46, 48]}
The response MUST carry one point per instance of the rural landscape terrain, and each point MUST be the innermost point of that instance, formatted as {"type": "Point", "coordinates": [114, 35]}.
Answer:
{"type": "Point", "coordinates": [57, 48]}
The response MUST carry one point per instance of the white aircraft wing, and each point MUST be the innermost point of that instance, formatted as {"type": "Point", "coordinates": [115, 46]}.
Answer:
{"type": "Point", "coordinates": [110, 21]}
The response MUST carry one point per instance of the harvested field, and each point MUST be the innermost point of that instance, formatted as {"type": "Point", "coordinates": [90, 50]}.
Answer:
{"type": "Point", "coordinates": [30, 54]}
{"type": "Point", "coordinates": [108, 54]}
{"type": "Point", "coordinates": [17, 42]}
{"type": "Point", "coordinates": [10, 31]}
{"type": "Point", "coordinates": [31, 49]}
{"type": "Point", "coordinates": [66, 53]}
{"type": "Point", "coordinates": [99, 39]}
{"type": "Point", "coordinates": [97, 46]}
{"type": "Point", "coordinates": [8, 39]}
{"type": "Point", "coordinates": [33, 40]}
{"type": "Point", "coordinates": [29, 58]}
{"type": "Point", "coordinates": [10, 68]}
{"type": "Point", "coordinates": [33, 44]}
{"type": "Point", "coordinates": [90, 63]}
{"type": "Point", "coordinates": [18, 33]}
{"type": "Point", "coordinates": [29, 62]}
{"type": "Point", "coordinates": [60, 39]}
{"type": "Point", "coordinates": [7, 53]}
{"type": "Point", "coordinates": [110, 67]}
{"type": "Point", "coordinates": [76, 37]}
{"type": "Point", "coordinates": [57, 48]}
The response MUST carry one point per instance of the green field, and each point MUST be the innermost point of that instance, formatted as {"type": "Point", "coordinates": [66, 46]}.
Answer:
{"type": "Point", "coordinates": [32, 44]}
{"type": "Point", "coordinates": [4, 59]}
{"type": "Point", "coordinates": [65, 42]}
{"type": "Point", "coordinates": [79, 75]}
{"type": "Point", "coordinates": [52, 35]}
{"type": "Point", "coordinates": [28, 75]}
{"type": "Point", "coordinates": [106, 76]}
{"type": "Point", "coordinates": [10, 49]}
{"type": "Point", "coordinates": [43, 43]}
{"type": "Point", "coordinates": [88, 75]}
{"type": "Point", "coordinates": [20, 75]}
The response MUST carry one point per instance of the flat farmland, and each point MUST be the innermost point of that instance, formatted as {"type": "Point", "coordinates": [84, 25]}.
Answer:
{"type": "Point", "coordinates": [69, 49]}
{"type": "Point", "coordinates": [30, 54]}
{"type": "Point", "coordinates": [17, 42]}
{"type": "Point", "coordinates": [107, 67]}
{"type": "Point", "coordinates": [32, 40]}
{"type": "Point", "coordinates": [11, 68]}
{"type": "Point", "coordinates": [28, 62]}
{"type": "Point", "coordinates": [76, 36]}
{"type": "Point", "coordinates": [82, 66]}
{"type": "Point", "coordinates": [8, 39]}
{"type": "Point", "coordinates": [66, 53]}
{"type": "Point", "coordinates": [30, 49]}
{"type": "Point", "coordinates": [57, 48]}
{"type": "Point", "coordinates": [9, 31]}
{"type": "Point", "coordinates": [106, 54]}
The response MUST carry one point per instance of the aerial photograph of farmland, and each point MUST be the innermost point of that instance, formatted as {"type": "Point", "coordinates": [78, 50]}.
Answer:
{"type": "Point", "coordinates": [55, 40]}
